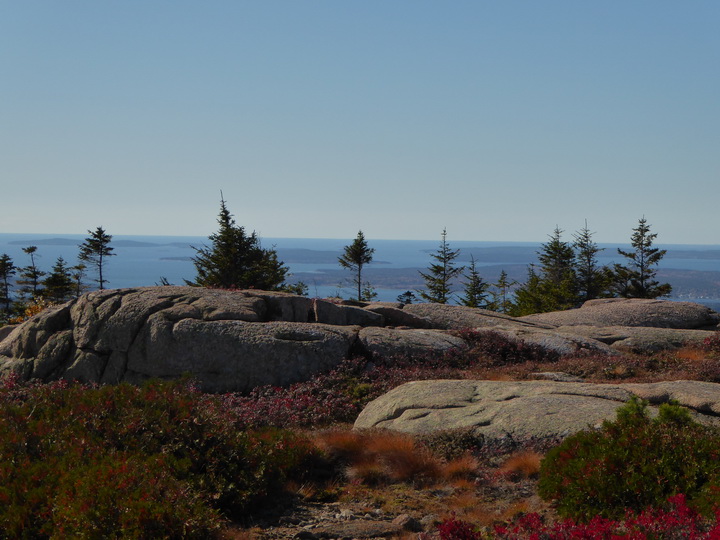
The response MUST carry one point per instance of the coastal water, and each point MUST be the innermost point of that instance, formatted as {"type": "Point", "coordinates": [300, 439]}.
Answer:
{"type": "Point", "coordinates": [145, 260]}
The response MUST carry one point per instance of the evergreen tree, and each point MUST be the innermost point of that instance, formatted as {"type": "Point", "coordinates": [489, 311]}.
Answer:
{"type": "Point", "coordinates": [59, 284]}
{"type": "Point", "coordinates": [7, 271]}
{"type": "Point", "coordinates": [95, 250]}
{"type": "Point", "coordinates": [529, 297]}
{"type": "Point", "coordinates": [637, 278]}
{"type": "Point", "coordinates": [501, 301]}
{"type": "Point", "coordinates": [29, 277]}
{"type": "Point", "coordinates": [408, 297]}
{"type": "Point", "coordinates": [78, 274]}
{"type": "Point", "coordinates": [557, 264]}
{"type": "Point", "coordinates": [236, 260]}
{"type": "Point", "coordinates": [475, 288]}
{"type": "Point", "coordinates": [440, 274]}
{"type": "Point", "coordinates": [354, 257]}
{"type": "Point", "coordinates": [592, 278]}
{"type": "Point", "coordinates": [620, 279]}
{"type": "Point", "coordinates": [553, 287]}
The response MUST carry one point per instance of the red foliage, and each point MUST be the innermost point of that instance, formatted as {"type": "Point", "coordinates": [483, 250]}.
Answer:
{"type": "Point", "coordinates": [680, 521]}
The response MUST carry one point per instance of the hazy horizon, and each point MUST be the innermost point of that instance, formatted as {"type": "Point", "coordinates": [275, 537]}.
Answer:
{"type": "Point", "coordinates": [267, 240]}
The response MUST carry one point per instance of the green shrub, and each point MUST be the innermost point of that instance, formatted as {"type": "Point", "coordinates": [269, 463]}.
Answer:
{"type": "Point", "coordinates": [633, 463]}
{"type": "Point", "coordinates": [120, 461]}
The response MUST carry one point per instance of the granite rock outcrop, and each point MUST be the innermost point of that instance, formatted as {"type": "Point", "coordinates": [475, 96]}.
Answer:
{"type": "Point", "coordinates": [237, 340]}
{"type": "Point", "coordinates": [526, 409]}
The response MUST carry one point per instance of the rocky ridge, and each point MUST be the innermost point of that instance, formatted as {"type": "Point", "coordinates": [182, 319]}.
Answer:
{"type": "Point", "coordinates": [237, 340]}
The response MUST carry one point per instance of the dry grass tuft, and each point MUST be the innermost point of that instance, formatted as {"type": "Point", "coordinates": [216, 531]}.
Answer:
{"type": "Point", "coordinates": [524, 464]}
{"type": "Point", "coordinates": [381, 457]}
{"type": "Point", "coordinates": [461, 468]}
{"type": "Point", "coordinates": [344, 445]}
{"type": "Point", "coordinates": [692, 354]}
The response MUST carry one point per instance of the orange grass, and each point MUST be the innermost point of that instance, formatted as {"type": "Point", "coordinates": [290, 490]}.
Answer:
{"type": "Point", "coordinates": [376, 457]}
{"type": "Point", "coordinates": [461, 468]}
{"type": "Point", "coordinates": [525, 464]}
{"type": "Point", "coordinates": [691, 353]}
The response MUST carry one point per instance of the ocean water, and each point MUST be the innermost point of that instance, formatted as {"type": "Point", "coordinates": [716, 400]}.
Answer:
{"type": "Point", "coordinates": [145, 260]}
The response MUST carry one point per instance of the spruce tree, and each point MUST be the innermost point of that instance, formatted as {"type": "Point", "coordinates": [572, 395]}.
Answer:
{"type": "Point", "coordinates": [354, 257]}
{"type": "Point", "coordinates": [29, 277]}
{"type": "Point", "coordinates": [557, 265]}
{"type": "Point", "coordinates": [636, 279]}
{"type": "Point", "coordinates": [553, 287]}
{"type": "Point", "coordinates": [475, 291]}
{"type": "Point", "coordinates": [592, 278]}
{"type": "Point", "coordinates": [408, 297]}
{"type": "Point", "coordinates": [95, 250]}
{"type": "Point", "coordinates": [440, 274]}
{"type": "Point", "coordinates": [236, 260]}
{"type": "Point", "coordinates": [7, 271]}
{"type": "Point", "coordinates": [501, 301]}
{"type": "Point", "coordinates": [59, 284]}
{"type": "Point", "coordinates": [78, 274]}
{"type": "Point", "coordinates": [530, 296]}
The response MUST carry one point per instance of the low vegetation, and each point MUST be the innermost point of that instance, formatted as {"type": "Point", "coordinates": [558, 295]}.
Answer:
{"type": "Point", "coordinates": [166, 460]}
{"type": "Point", "coordinates": [634, 463]}
{"type": "Point", "coordinates": [152, 462]}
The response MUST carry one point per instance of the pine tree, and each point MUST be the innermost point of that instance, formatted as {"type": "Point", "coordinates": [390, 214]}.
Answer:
{"type": "Point", "coordinates": [29, 277]}
{"type": "Point", "coordinates": [501, 301]}
{"type": "Point", "coordinates": [408, 297]}
{"type": "Point", "coordinates": [438, 279]}
{"type": "Point", "coordinates": [530, 296]}
{"type": "Point", "coordinates": [236, 260]}
{"type": "Point", "coordinates": [95, 250]}
{"type": "Point", "coordinates": [637, 278]}
{"type": "Point", "coordinates": [475, 292]}
{"type": "Point", "coordinates": [553, 287]}
{"type": "Point", "coordinates": [557, 265]}
{"type": "Point", "coordinates": [7, 271]}
{"type": "Point", "coordinates": [78, 274]}
{"type": "Point", "coordinates": [59, 284]}
{"type": "Point", "coordinates": [354, 257]}
{"type": "Point", "coordinates": [592, 278]}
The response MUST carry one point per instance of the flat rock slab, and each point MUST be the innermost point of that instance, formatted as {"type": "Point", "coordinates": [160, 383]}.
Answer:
{"type": "Point", "coordinates": [522, 409]}
{"type": "Point", "coordinates": [564, 342]}
{"type": "Point", "coordinates": [639, 339]}
{"type": "Point", "coordinates": [632, 312]}
{"type": "Point", "coordinates": [449, 317]}
{"type": "Point", "coordinates": [389, 342]}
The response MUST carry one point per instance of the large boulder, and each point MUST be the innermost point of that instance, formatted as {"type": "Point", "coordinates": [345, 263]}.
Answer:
{"type": "Point", "coordinates": [524, 409]}
{"type": "Point", "coordinates": [227, 340]}
{"type": "Point", "coordinates": [632, 312]}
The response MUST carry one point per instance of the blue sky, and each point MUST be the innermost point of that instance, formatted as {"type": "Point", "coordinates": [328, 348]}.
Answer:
{"type": "Point", "coordinates": [497, 120]}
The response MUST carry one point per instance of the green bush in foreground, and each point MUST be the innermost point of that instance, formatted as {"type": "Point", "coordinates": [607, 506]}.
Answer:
{"type": "Point", "coordinates": [633, 463]}
{"type": "Point", "coordinates": [161, 461]}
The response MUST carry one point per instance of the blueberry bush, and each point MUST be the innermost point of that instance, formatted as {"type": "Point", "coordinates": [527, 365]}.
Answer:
{"type": "Point", "coordinates": [633, 463]}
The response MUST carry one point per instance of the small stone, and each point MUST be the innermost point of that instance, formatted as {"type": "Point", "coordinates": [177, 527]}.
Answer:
{"type": "Point", "coordinates": [430, 521]}
{"type": "Point", "coordinates": [408, 523]}
{"type": "Point", "coordinates": [344, 514]}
